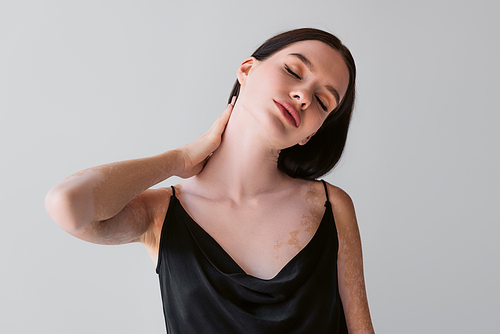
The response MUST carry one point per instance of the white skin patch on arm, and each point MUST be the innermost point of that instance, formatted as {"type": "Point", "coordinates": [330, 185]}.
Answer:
{"type": "Point", "coordinates": [350, 257]}
{"type": "Point", "coordinates": [107, 204]}
{"type": "Point", "coordinates": [350, 266]}
{"type": "Point", "coordinates": [82, 202]}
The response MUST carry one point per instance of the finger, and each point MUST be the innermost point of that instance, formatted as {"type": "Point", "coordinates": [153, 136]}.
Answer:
{"type": "Point", "coordinates": [228, 110]}
{"type": "Point", "coordinates": [227, 113]}
{"type": "Point", "coordinates": [221, 116]}
{"type": "Point", "coordinates": [202, 165]}
{"type": "Point", "coordinates": [220, 124]}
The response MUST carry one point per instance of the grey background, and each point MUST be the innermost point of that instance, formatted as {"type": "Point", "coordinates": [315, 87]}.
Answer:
{"type": "Point", "coordinates": [84, 83]}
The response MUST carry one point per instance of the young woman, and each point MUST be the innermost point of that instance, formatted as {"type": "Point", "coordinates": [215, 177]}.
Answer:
{"type": "Point", "coordinates": [250, 242]}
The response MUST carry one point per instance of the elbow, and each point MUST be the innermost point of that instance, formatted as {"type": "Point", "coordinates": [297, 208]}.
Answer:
{"type": "Point", "coordinates": [66, 209]}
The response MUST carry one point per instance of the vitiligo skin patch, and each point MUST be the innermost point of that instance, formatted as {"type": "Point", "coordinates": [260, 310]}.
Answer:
{"type": "Point", "coordinates": [113, 206]}
{"type": "Point", "coordinates": [109, 204]}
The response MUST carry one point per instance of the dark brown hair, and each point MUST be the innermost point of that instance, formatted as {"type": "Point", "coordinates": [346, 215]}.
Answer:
{"type": "Point", "coordinates": [324, 149]}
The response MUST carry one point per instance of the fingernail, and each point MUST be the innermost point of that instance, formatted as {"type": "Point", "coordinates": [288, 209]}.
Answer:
{"type": "Point", "coordinates": [233, 100]}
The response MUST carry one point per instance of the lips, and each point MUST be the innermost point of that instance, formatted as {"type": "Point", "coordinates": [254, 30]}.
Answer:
{"type": "Point", "coordinates": [289, 112]}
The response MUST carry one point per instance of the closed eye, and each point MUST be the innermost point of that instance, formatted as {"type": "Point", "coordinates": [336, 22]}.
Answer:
{"type": "Point", "coordinates": [292, 72]}
{"type": "Point", "coordinates": [321, 104]}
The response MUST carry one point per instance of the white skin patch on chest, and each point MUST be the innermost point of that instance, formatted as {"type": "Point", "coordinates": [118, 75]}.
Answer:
{"type": "Point", "coordinates": [294, 241]}
{"type": "Point", "coordinates": [277, 245]}
{"type": "Point", "coordinates": [297, 239]}
{"type": "Point", "coordinates": [261, 242]}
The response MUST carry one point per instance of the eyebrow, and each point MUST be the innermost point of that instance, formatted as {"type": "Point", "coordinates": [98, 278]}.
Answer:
{"type": "Point", "coordinates": [309, 65]}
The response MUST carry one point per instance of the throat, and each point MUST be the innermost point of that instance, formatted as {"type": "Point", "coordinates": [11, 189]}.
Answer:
{"type": "Point", "coordinates": [244, 163]}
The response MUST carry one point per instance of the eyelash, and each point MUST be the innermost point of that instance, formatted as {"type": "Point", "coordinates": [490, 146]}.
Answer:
{"type": "Point", "coordinates": [292, 73]}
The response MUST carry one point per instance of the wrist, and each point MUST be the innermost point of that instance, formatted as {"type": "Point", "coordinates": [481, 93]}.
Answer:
{"type": "Point", "coordinates": [175, 161]}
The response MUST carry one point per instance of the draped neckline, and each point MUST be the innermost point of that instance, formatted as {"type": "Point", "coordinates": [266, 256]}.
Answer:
{"type": "Point", "coordinates": [235, 269]}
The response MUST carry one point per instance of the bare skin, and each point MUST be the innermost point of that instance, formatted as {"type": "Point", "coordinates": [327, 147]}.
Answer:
{"type": "Point", "coordinates": [260, 216]}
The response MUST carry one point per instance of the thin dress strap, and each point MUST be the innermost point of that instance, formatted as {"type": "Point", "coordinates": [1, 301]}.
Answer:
{"type": "Point", "coordinates": [326, 190]}
{"type": "Point", "coordinates": [173, 190]}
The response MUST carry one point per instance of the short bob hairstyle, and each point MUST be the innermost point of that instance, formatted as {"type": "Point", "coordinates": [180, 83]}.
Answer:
{"type": "Point", "coordinates": [324, 149]}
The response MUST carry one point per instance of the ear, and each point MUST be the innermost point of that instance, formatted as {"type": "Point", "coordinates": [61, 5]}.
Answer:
{"type": "Point", "coordinates": [303, 142]}
{"type": "Point", "coordinates": [245, 69]}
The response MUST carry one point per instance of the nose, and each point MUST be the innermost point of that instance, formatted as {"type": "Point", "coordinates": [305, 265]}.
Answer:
{"type": "Point", "coordinates": [302, 96]}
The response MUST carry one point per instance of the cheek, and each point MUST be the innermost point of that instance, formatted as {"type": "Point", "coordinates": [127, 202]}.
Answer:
{"type": "Point", "coordinates": [317, 121]}
{"type": "Point", "coordinates": [268, 80]}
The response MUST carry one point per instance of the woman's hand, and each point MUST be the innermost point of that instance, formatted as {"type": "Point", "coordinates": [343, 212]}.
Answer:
{"type": "Point", "coordinates": [195, 155]}
{"type": "Point", "coordinates": [112, 204]}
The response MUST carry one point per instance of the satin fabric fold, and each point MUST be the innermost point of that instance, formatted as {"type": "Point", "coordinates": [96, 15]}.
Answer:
{"type": "Point", "coordinates": [205, 291]}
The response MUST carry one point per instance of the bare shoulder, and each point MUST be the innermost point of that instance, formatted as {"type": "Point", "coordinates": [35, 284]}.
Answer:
{"type": "Point", "coordinates": [350, 263]}
{"type": "Point", "coordinates": [343, 208]}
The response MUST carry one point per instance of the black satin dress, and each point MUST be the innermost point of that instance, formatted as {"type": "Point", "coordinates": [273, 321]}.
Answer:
{"type": "Point", "coordinates": [204, 291]}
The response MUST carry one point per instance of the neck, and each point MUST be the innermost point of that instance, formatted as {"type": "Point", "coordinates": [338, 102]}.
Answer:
{"type": "Point", "coordinates": [245, 164]}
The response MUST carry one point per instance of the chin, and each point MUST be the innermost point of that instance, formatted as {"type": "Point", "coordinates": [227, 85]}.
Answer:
{"type": "Point", "coordinates": [270, 125]}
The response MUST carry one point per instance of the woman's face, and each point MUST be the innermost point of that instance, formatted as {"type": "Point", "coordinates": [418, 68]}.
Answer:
{"type": "Point", "coordinates": [292, 92]}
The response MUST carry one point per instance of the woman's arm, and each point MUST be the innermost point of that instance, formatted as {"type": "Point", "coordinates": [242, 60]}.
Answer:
{"type": "Point", "coordinates": [350, 264]}
{"type": "Point", "coordinates": [109, 204]}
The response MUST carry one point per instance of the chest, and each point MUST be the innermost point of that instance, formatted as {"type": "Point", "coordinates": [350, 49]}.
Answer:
{"type": "Point", "coordinates": [260, 238]}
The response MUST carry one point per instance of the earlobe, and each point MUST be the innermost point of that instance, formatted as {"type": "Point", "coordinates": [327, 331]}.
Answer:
{"type": "Point", "coordinates": [245, 69]}
{"type": "Point", "coordinates": [303, 142]}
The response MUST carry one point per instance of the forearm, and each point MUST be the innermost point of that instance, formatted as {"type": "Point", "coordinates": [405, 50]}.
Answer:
{"type": "Point", "coordinates": [101, 192]}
